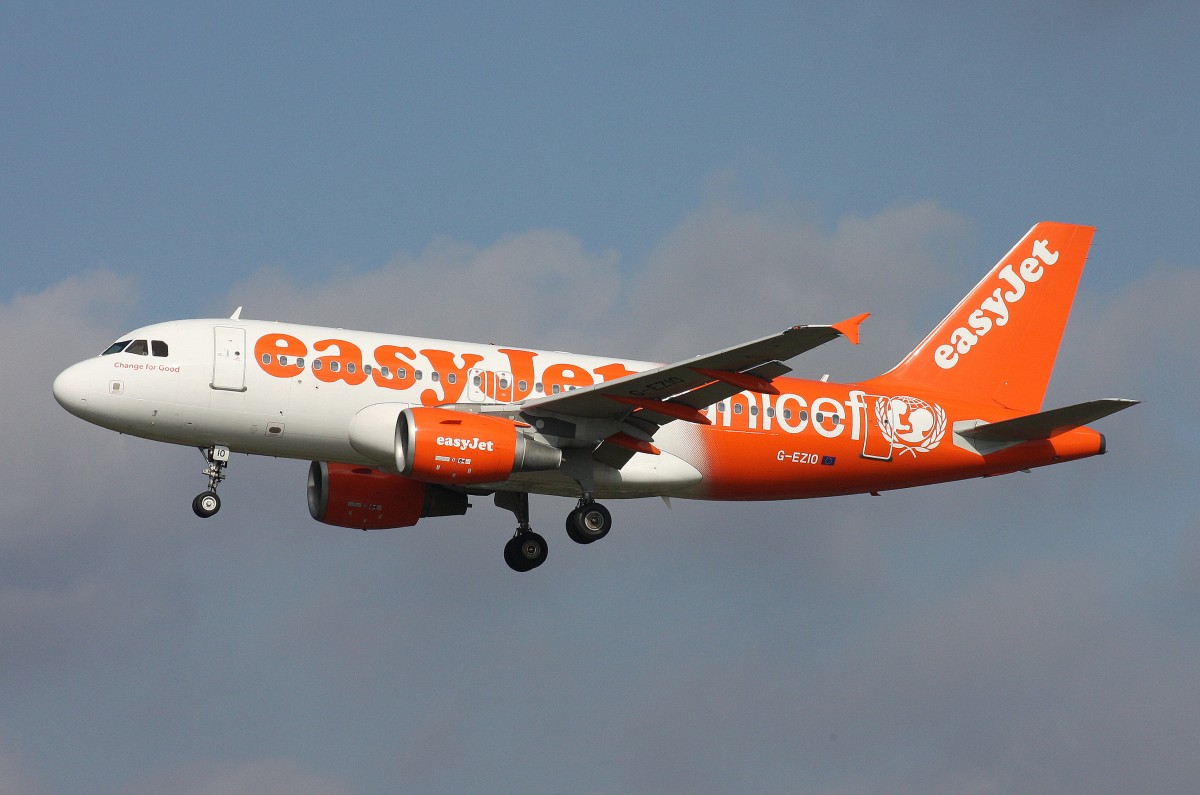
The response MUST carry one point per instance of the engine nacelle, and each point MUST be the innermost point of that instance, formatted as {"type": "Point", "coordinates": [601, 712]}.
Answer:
{"type": "Point", "coordinates": [346, 495]}
{"type": "Point", "coordinates": [455, 447]}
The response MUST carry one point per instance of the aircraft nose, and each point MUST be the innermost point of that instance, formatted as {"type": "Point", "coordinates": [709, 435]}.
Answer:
{"type": "Point", "coordinates": [71, 389]}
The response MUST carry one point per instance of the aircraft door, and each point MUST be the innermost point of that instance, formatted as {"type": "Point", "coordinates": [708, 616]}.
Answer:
{"type": "Point", "coordinates": [877, 433]}
{"type": "Point", "coordinates": [229, 358]}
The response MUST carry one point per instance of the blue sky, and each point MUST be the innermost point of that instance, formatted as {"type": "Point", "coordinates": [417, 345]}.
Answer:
{"type": "Point", "coordinates": [651, 180]}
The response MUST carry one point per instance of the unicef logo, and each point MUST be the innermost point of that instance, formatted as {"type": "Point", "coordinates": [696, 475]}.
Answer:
{"type": "Point", "coordinates": [910, 423]}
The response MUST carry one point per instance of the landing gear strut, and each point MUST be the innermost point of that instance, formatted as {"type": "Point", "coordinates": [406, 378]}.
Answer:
{"type": "Point", "coordinates": [208, 503]}
{"type": "Point", "coordinates": [526, 550]}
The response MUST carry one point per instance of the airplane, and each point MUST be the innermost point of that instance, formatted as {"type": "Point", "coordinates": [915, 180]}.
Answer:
{"type": "Point", "coordinates": [403, 428]}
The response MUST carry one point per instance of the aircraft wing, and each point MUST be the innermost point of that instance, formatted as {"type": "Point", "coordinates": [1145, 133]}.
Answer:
{"type": "Point", "coordinates": [645, 401]}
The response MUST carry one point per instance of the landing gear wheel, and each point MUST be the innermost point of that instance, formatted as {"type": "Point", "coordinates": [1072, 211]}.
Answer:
{"type": "Point", "coordinates": [589, 522]}
{"type": "Point", "coordinates": [206, 504]}
{"type": "Point", "coordinates": [525, 551]}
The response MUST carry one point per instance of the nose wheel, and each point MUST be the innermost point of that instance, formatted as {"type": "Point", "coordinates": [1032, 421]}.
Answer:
{"type": "Point", "coordinates": [208, 503]}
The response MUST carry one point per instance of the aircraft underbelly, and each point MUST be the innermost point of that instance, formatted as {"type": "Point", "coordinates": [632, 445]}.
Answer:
{"type": "Point", "coordinates": [643, 476]}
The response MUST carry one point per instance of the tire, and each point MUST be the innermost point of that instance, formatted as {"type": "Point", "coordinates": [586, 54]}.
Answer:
{"type": "Point", "coordinates": [525, 552]}
{"type": "Point", "coordinates": [588, 523]}
{"type": "Point", "coordinates": [206, 504]}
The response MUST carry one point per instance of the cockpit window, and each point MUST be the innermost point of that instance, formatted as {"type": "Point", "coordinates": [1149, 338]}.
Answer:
{"type": "Point", "coordinates": [158, 347]}
{"type": "Point", "coordinates": [116, 347]}
{"type": "Point", "coordinates": [139, 347]}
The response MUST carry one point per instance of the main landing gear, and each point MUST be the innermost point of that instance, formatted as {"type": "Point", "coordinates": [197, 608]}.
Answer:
{"type": "Point", "coordinates": [208, 503]}
{"type": "Point", "coordinates": [526, 550]}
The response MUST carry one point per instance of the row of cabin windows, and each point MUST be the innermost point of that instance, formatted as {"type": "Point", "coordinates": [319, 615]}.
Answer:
{"type": "Point", "coordinates": [351, 367]}
{"type": "Point", "coordinates": [138, 348]}
{"type": "Point", "coordinates": [522, 386]}
{"type": "Point", "coordinates": [401, 372]}
{"type": "Point", "coordinates": [787, 413]}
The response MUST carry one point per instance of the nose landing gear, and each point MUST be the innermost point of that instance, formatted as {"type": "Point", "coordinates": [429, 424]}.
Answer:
{"type": "Point", "coordinates": [208, 503]}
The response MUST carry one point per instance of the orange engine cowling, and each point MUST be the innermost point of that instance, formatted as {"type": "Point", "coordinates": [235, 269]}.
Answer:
{"type": "Point", "coordinates": [346, 495]}
{"type": "Point", "coordinates": [454, 447]}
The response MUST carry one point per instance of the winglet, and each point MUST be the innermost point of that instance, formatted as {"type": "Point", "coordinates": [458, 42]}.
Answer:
{"type": "Point", "coordinates": [848, 328]}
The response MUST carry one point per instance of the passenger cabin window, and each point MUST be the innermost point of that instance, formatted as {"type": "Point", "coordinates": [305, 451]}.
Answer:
{"type": "Point", "coordinates": [116, 347]}
{"type": "Point", "coordinates": [158, 348]}
{"type": "Point", "coordinates": [139, 347]}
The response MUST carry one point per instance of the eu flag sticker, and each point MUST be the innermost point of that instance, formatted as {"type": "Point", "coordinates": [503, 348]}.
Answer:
{"type": "Point", "coordinates": [828, 460]}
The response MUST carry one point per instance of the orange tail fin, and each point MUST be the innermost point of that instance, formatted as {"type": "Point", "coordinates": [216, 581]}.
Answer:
{"type": "Point", "coordinates": [1000, 342]}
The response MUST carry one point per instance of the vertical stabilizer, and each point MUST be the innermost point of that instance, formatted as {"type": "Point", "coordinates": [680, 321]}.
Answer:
{"type": "Point", "coordinates": [1000, 342]}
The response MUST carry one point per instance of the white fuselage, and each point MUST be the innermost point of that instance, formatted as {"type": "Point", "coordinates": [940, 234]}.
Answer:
{"type": "Point", "coordinates": [226, 382]}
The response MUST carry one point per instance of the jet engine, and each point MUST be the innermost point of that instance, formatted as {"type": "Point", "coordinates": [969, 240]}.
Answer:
{"type": "Point", "coordinates": [345, 495]}
{"type": "Point", "coordinates": [457, 448]}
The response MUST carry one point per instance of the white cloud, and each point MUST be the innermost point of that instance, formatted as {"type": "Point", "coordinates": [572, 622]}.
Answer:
{"type": "Point", "coordinates": [537, 288]}
{"type": "Point", "coordinates": [59, 454]}
{"type": "Point", "coordinates": [722, 276]}
{"type": "Point", "coordinates": [725, 275]}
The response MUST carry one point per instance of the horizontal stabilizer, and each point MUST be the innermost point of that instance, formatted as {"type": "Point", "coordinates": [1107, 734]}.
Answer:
{"type": "Point", "coordinates": [1046, 424]}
